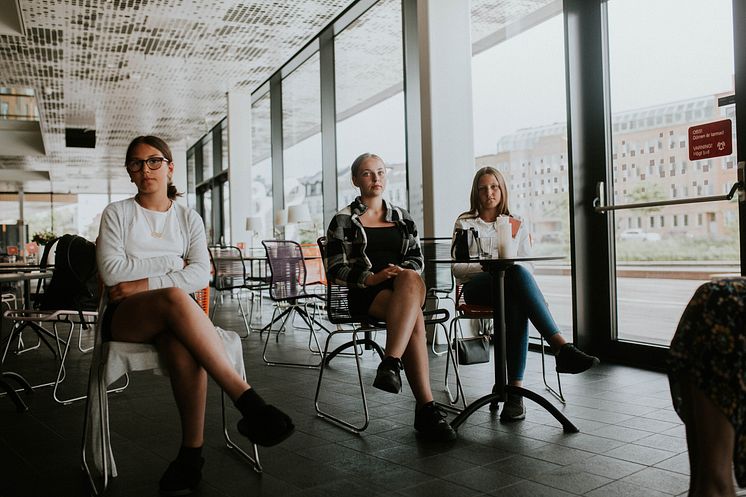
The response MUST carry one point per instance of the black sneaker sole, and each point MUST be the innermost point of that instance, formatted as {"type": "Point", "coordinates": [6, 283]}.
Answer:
{"type": "Point", "coordinates": [593, 364]}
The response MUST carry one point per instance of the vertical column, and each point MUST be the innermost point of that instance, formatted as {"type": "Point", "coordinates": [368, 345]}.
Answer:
{"type": "Point", "coordinates": [178, 150]}
{"type": "Point", "coordinates": [239, 164]}
{"type": "Point", "coordinates": [590, 243]}
{"type": "Point", "coordinates": [328, 124]}
{"type": "Point", "coordinates": [437, 50]}
{"type": "Point", "coordinates": [275, 112]}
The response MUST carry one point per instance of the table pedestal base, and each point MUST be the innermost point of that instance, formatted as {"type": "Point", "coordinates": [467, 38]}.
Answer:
{"type": "Point", "coordinates": [495, 397]}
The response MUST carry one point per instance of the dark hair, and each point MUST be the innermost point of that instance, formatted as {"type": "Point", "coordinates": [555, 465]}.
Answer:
{"type": "Point", "coordinates": [163, 147]}
{"type": "Point", "coordinates": [359, 162]}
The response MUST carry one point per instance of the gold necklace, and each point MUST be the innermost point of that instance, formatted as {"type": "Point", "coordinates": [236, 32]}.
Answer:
{"type": "Point", "coordinates": [153, 232]}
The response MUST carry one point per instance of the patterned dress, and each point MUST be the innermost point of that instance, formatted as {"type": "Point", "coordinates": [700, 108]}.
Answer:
{"type": "Point", "coordinates": [710, 346]}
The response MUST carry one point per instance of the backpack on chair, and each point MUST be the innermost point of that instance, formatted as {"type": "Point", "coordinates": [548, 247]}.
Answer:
{"type": "Point", "coordinates": [74, 283]}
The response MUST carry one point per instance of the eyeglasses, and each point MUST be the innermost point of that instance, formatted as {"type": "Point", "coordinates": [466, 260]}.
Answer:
{"type": "Point", "coordinates": [153, 164]}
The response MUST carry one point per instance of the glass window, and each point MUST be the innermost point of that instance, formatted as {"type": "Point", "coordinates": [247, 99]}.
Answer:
{"type": "Point", "coordinates": [520, 120]}
{"type": "Point", "coordinates": [261, 171]}
{"type": "Point", "coordinates": [224, 144]}
{"type": "Point", "coordinates": [207, 171]}
{"type": "Point", "coordinates": [191, 178]}
{"type": "Point", "coordinates": [675, 92]}
{"type": "Point", "coordinates": [301, 139]}
{"type": "Point", "coordinates": [369, 72]}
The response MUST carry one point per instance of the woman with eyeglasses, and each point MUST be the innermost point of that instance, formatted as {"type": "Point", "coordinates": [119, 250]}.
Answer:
{"type": "Point", "coordinates": [152, 253]}
{"type": "Point", "coordinates": [524, 301]}
{"type": "Point", "coordinates": [373, 248]}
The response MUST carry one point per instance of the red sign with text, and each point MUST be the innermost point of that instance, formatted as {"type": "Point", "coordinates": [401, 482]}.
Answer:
{"type": "Point", "coordinates": [710, 140]}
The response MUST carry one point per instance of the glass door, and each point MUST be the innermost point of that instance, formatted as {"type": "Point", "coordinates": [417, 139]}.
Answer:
{"type": "Point", "coordinates": [673, 135]}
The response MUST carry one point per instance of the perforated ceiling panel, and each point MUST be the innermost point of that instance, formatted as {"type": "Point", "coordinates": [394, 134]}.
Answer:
{"type": "Point", "coordinates": [131, 67]}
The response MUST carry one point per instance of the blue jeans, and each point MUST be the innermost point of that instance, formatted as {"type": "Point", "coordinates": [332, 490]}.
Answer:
{"type": "Point", "coordinates": [523, 302]}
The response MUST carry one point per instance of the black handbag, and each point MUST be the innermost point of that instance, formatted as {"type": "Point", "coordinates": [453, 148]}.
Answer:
{"type": "Point", "coordinates": [473, 350]}
{"type": "Point", "coordinates": [463, 239]}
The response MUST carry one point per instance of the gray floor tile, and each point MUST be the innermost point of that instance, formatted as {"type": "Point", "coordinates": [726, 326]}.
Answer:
{"type": "Point", "coordinates": [612, 406]}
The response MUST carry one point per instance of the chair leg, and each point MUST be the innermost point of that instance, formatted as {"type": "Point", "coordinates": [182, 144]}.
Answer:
{"type": "Point", "coordinates": [252, 458]}
{"type": "Point", "coordinates": [11, 392]}
{"type": "Point", "coordinates": [287, 312]}
{"type": "Point", "coordinates": [245, 321]}
{"type": "Point", "coordinates": [453, 357]}
{"type": "Point", "coordinates": [557, 394]}
{"type": "Point", "coordinates": [327, 415]}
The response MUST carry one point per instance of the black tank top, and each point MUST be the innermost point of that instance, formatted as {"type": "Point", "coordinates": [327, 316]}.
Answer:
{"type": "Point", "coordinates": [384, 246]}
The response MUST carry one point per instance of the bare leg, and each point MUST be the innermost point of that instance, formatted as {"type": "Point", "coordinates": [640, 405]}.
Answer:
{"type": "Point", "coordinates": [409, 295]}
{"type": "Point", "coordinates": [189, 384]}
{"type": "Point", "coordinates": [142, 317]}
{"type": "Point", "coordinates": [405, 337]}
{"type": "Point", "coordinates": [417, 365]}
{"type": "Point", "coordinates": [710, 438]}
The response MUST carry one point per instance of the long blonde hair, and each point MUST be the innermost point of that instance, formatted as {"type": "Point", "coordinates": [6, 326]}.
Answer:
{"type": "Point", "coordinates": [502, 206]}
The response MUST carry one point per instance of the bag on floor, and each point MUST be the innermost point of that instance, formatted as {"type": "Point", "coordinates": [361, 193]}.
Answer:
{"type": "Point", "coordinates": [473, 350]}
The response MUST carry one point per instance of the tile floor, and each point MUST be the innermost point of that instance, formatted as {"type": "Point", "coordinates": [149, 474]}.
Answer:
{"type": "Point", "coordinates": [631, 443]}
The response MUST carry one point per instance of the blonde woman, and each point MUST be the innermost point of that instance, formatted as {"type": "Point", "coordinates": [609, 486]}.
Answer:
{"type": "Point", "coordinates": [524, 301]}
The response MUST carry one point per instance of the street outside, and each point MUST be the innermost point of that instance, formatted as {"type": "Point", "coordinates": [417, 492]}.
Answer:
{"type": "Point", "coordinates": [649, 309]}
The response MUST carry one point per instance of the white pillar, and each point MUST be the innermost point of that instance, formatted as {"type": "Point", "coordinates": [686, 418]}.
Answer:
{"type": "Point", "coordinates": [240, 163]}
{"type": "Point", "coordinates": [178, 150]}
{"type": "Point", "coordinates": [446, 112]}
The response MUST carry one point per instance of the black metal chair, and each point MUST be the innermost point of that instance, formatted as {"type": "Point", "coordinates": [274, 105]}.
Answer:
{"type": "Point", "coordinates": [287, 288]}
{"type": "Point", "coordinates": [484, 315]}
{"type": "Point", "coordinates": [438, 279]}
{"type": "Point", "coordinates": [338, 313]}
{"type": "Point", "coordinates": [229, 275]}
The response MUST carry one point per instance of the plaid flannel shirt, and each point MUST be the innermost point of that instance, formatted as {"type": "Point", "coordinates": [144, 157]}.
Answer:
{"type": "Point", "coordinates": [346, 262]}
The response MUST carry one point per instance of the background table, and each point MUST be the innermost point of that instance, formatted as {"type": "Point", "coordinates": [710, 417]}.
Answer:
{"type": "Point", "coordinates": [496, 268]}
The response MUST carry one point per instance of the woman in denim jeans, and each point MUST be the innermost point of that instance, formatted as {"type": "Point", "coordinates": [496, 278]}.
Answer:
{"type": "Point", "coordinates": [524, 301]}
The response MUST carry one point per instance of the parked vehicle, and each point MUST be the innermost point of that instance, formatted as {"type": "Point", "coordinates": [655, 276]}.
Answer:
{"type": "Point", "coordinates": [639, 235]}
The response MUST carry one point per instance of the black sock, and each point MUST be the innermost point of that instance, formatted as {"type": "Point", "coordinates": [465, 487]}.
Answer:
{"type": "Point", "coordinates": [249, 402]}
{"type": "Point", "coordinates": [190, 456]}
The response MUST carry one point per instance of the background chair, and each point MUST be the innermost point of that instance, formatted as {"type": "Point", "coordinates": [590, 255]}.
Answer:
{"type": "Point", "coordinates": [338, 313]}
{"type": "Point", "coordinates": [113, 360]}
{"type": "Point", "coordinates": [288, 289]}
{"type": "Point", "coordinates": [438, 279]}
{"type": "Point", "coordinates": [77, 253]}
{"type": "Point", "coordinates": [484, 314]}
{"type": "Point", "coordinates": [229, 274]}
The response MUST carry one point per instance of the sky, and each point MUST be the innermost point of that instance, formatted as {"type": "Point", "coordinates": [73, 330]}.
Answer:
{"type": "Point", "coordinates": [661, 51]}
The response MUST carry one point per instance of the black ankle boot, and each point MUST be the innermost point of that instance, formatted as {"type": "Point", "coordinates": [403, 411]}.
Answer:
{"type": "Point", "coordinates": [388, 377]}
{"type": "Point", "coordinates": [262, 423]}
{"type": "Point", "coordinates": [183, 475]}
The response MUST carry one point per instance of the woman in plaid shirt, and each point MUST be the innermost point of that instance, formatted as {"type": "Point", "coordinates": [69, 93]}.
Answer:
{"type": "Point", "coordinates": [372, 248]}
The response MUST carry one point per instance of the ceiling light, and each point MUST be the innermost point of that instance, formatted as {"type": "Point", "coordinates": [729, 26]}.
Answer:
{"type": "Point", "coordinates": [135, 76]}
{"type": "Point", "coordinates": [48, 90]}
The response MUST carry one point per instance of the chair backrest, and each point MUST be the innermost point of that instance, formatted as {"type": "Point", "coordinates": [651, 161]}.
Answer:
{"type": "Point", "coordinates": [315, 272]}
{"type": "Point", "coordinates": [287, 268]}
{"type": "Point", "coordinates": [203, 299]}
{"type": "Point", "coordinates": [470, 310]}
{"type": "Point", "coordinates": [337, 304]}
{"type": "Point", "coordinates": [229, 267]}
{"type": "Point", "coordinates": [438, 277]}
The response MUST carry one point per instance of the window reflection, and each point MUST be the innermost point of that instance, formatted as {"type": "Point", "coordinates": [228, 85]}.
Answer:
{"type": "Point", "coordinates": [261, 171]}
{"type": "Point", "coordinates": [301, 134]}
{"type": "Point", "coordinates": [370, 99]}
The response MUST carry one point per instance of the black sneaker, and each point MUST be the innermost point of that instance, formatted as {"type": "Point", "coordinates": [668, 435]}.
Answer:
{"type": "Point", "coordinates": [430, 422]}
{"type": "Point", "coordinates": [181, 478]}
{"type": "Point", "coordinates": [388, 377]}
{"type": "Point", "coordinates": [513, 409]}
{"type": "Point", "coordinates": [571, 359]}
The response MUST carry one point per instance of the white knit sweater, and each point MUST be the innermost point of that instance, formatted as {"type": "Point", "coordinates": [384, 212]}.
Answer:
{"type": "Point", "coordinates": [116, 265]}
